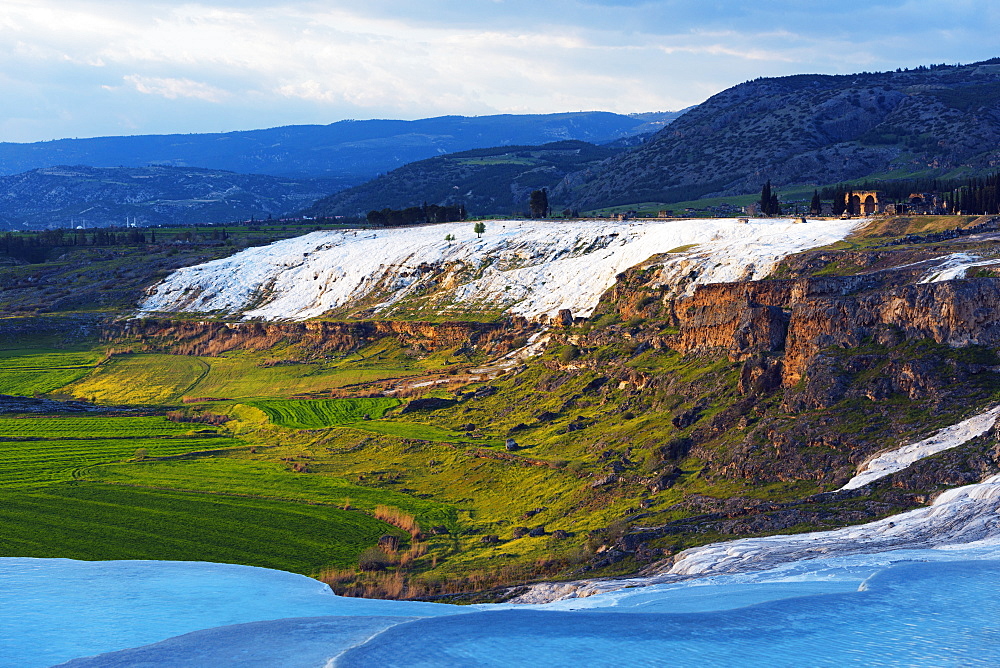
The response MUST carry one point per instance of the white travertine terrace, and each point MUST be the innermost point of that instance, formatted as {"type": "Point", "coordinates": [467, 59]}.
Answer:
{"type": "Point", "coordinates": [527, 268]}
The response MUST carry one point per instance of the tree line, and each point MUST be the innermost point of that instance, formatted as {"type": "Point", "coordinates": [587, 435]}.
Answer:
{"type": "Point", "coordinates": [36, 246]}
{"type": "Point", "coordinates": [416, 215]}
{"type": "Point", "coordinates": [972, 195]}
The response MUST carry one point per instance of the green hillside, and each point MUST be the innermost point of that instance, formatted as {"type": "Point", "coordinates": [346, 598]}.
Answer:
{"type": "Point", "coordinates": [495, 181]}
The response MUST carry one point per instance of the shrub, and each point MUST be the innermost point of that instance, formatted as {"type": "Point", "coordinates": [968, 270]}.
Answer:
{"type": "Point", "coordinates": [373, 559]}
{"type": "Point", "coordinates": [568, 353]}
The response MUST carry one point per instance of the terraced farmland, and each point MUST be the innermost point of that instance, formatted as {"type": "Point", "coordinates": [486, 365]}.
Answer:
{"type": "Point", "coordinates": [319, 413]}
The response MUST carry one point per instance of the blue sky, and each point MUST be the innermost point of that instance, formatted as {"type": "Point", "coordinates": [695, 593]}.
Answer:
{"type": "Point", "coordinates": [81, 68]}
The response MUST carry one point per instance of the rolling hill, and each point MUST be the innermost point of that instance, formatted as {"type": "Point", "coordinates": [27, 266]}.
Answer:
{"type": "Point", "coordinates": [349, 151]}
{"type": "Point", "coordinates": [810, 129]}
{"type": "Point", "coordinates": [487, 181]}
{"type": "Point", "coordinates": [97, 197]}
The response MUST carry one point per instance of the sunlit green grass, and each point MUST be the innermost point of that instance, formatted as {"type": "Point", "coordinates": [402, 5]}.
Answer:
{"type": "Point", "coordinates": [141, 379]}
{"type": "Point", "coordinates": [319, 413]}
{"type": "Point", "coordinates": [25, 372]}
{"type": "Point", "coordinates": [266, 479]}
{"type": "Point", "coordinates": [94, 521]}
{"type": "Point", "coordinates": [36, 462]}
{"type": "Point", "coordinates": [90, 426]}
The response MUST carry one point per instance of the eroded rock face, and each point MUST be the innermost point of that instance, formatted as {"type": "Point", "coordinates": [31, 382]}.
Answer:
{"type": "Point", "coordinates": [213, 338]}
{"type": "Point", "coordinates": [798, 319]}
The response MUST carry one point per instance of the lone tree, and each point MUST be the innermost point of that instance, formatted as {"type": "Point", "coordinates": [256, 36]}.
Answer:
{"type": "Point", "coordinates": [538, 203]}
{"type": "Point", "coordinates": [479, 228]}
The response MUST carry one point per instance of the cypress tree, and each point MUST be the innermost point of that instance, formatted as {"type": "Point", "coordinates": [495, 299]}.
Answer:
{"type": "Point", "coordinates": [765, 199]}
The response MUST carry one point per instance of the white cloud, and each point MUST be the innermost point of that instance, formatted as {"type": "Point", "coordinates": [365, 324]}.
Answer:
{"type": "Point", "coordinates": [309, 61]}
{"type": "Point", "coordinates": [176, 88]}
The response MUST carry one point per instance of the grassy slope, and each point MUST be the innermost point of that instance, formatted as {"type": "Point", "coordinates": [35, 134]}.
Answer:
{"type": "Point", "coordinates": [318, 413]}
{"type": "Point", "coordinates": [47, 509]}
{"type": "Point", "coordinates": [94, 521]}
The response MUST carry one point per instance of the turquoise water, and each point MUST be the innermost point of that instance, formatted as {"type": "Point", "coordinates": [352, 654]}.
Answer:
{"type": "Point", "coordinates": [820, 613]}
{"type": "Point", "coordinates": [911, 615]}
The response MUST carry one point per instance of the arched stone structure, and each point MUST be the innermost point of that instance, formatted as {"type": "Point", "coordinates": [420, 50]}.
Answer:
{"type": "Point", "coordinates": [865, 203]}
{"type": "Point", "coordinates": [868, 206]}
{"type": "Point", "coordinates": [854, 205]}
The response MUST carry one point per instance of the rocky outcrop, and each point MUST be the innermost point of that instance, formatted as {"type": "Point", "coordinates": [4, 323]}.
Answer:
{"type": "Point", "coordinates": [799, 318]}
{"type": "Point", "coordinates": [213, 338]}
{"type": "Point", "coordinates": [956, 313]}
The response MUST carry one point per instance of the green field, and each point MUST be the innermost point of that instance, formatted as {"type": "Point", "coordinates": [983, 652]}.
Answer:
{"type": "Point", "coordinates": [319, 413]}
{"type": "Point", "coordinates": [32, 371]}
{"type": "Point", "coordinates": [91, 426]}
{"type": "Point", "coordinates": [167, 380]}
{"type": "Point", "coordinates": [241, 377]}
{"type": "Point", "coordinates": [266, 479]}
{"type": "Point", "coordinates": [94, 521]}
{"type": "Point", "coordinates": [256, 516]}
{"type": "Point", "coordinates": [45, 359]}
{"type": "Point", "coordinates": [156, 379]}
{"type": "Point", "coordinates": [71, 485]}
{"type": "Point", "coordinates": [140, 379]}
{"type": "Point", "coordinates": [35, 462]}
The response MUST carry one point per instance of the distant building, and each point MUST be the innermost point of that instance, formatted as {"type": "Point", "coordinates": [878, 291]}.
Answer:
{"type": "Point", "coordinates": [865, 202]}
{"type": "Point", "coordinates": [925, 203]}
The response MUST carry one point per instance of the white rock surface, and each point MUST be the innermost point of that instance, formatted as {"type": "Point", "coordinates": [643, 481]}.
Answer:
{"type": "Point", "coordinates": [949, 437]}
{"type": "Point", "coordinates": [957, 517]}
{"type": "Point", "coordinates": [955, 266]}
{"type": "Point", "coordinates": [965, 518]}
{"type": "Point", "coordinates": [529, 268]}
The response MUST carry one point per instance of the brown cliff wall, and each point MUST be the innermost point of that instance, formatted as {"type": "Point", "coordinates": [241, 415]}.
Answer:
{"type": "Point", "coordinates": [213, 338]}
{"type": "Point", "coordinates": [801, 317]}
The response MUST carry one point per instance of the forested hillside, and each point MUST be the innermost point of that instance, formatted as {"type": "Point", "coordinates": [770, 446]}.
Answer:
{"type": "Point", "coordinates": [486, 181]}
{"type": "Point", "coordinates": [811, 129]}
{"type": "Point", "coordinates": [70, 197]}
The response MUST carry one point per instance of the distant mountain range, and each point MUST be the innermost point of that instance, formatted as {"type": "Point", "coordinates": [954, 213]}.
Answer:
{"type": "Point", "coordinates": [347, 152]}
{"type": "Point", "coordinates": [486, 181]}
{"type": "Point", "coordinates": [938, 121]}
{"type": "Point", "coordinates": [810, 129]}
{"type": "Point", "coordinates": [98, 197]}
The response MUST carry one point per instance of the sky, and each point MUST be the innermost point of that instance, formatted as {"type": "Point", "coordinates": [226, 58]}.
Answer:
{"type": "Point", "coordinates": [84, 68]}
